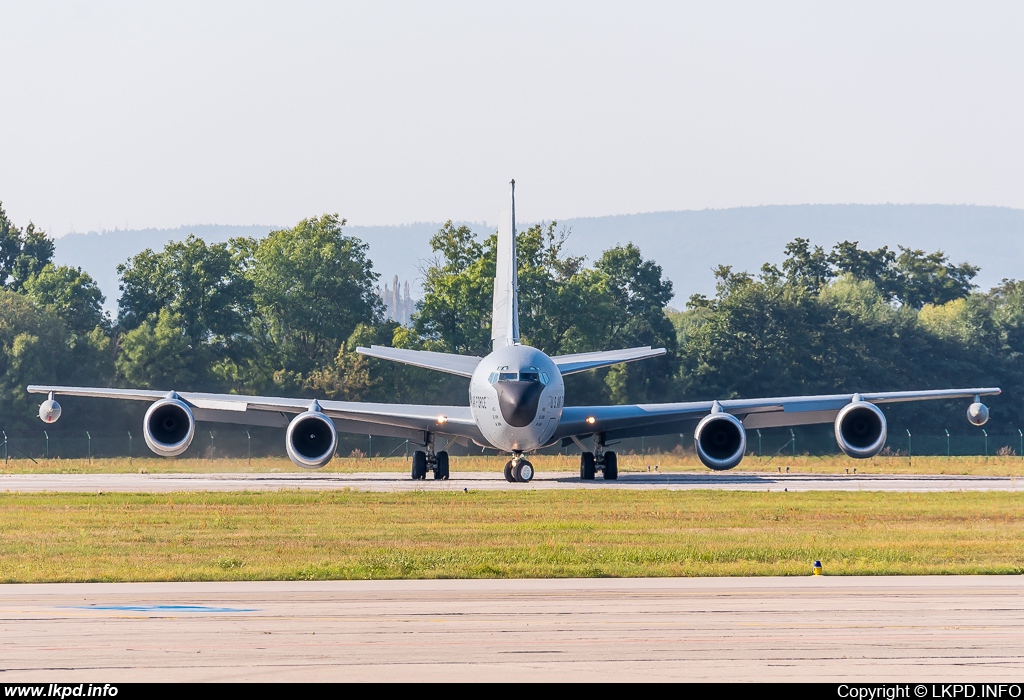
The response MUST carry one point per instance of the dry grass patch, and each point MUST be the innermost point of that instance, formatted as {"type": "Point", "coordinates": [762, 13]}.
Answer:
{"type": "Point", "coordinates": [670, 462]}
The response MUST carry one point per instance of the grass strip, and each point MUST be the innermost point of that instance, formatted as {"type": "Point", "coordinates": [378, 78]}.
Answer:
{"type": "Point", "coordinates": [355, 535]}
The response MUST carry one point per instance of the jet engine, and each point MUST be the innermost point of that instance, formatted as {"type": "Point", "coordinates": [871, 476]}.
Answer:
{"type": "Point", "coordinates": [721, 441]}
{"type": "Point", "coordinates": [860, 429]}
{"type": "Point", "coordinates": [169, 427]}
{"type": "Point", "coordinates": [311, 439]}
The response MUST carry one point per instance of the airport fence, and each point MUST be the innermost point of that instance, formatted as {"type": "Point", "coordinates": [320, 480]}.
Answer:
{"type": "Point", "coordinates": [263, 442]}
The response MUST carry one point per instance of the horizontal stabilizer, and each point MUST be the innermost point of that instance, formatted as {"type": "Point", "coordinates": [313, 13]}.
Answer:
{"type": "Point", "coordinates": [462, 365]}
{"type": "Point", "coordinates": [581, 362]}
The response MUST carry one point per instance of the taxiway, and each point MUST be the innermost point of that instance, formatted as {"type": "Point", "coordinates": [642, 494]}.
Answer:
{"type": "Point", "coordinates": [733, 629]}
{"type": "Point", "coordinates": [489, 481]}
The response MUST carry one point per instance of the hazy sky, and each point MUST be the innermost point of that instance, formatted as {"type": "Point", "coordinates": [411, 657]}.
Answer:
{"type": "Point", "coordinates": [159, 114]}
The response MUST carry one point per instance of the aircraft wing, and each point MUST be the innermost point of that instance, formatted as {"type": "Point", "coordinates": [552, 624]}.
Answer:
{"type": "Point", "coordinates": [581, 362]}
{"type": "Point", "coordinates": [665, 418]}
{"type": "Point", "coordinates": [462, 365]}
{"type": "Point", "coordinates": [386, 419]}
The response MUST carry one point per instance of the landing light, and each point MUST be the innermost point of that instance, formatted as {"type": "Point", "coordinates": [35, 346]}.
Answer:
{"type": "Point", "coordinates": [591, 420]}
{"type": "Point", "coordinates": [441, 420]}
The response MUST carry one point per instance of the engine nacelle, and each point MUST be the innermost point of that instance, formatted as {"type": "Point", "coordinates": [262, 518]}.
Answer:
{"type": "Point", "coordinates": [861, 429]}
{"type": "Point", "coordinates": [169, 427]}
{"type": "Point", "coordinates": [721, 441]}
{"type": "Point", "coordinates": [311, 439]}
{"type": "Point", "coordinates": [977, 413]}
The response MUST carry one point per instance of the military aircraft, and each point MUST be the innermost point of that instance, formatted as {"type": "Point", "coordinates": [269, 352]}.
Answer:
{"type": "Point", "coordinates": [516, 405]}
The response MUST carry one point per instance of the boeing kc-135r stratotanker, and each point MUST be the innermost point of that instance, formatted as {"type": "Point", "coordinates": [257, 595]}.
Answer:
{"type": "Point", "coordinates": [516, 405]}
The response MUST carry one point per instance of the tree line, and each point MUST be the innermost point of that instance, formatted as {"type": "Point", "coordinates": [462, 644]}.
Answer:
{"type": "Point", "coordinates": [282, 315]}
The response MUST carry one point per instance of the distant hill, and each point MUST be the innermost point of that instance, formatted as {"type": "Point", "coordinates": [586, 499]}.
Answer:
{"type": "Point", "coordinates": [393, 249]}
{"type": "Point", "coordinates": [99, 254]}
{"type": "Point", "coordinates": [687, 244]}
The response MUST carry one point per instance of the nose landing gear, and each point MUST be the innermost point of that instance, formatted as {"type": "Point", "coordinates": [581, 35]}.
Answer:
{"type": "Point", "coordinates": [518, 469]}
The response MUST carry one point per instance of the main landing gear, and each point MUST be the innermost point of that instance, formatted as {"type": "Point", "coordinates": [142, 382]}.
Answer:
{"type": "Point", "coordinates": [422, 462]}
{"type": "Point", "coordinates": [518, 469]}
{"type": "Point", "coordinates": [599, 461]}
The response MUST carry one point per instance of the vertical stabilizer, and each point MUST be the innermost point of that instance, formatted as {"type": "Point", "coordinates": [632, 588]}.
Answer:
{"type": "Point", "coordinates": [505, 312]}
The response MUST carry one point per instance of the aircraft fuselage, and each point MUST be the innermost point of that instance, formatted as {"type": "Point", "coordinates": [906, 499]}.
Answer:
{"type": "Point", "coordinates": [516, 395]}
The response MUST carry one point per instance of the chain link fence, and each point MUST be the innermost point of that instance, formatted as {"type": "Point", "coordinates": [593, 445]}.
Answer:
{"type": "Point", "coordinates": [900, 441]}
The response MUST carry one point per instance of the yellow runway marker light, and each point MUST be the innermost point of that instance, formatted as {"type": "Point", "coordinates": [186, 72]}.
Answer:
{"type": "Point", "coordinates": [817, 568]}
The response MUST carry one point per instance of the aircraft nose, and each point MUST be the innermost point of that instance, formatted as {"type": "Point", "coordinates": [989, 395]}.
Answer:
{"type": "Point", "coordinates": [518, 401]}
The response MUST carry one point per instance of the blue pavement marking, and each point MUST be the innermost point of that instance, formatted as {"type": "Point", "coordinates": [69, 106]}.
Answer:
{"type": "Point", "coordinates": [165, 608]}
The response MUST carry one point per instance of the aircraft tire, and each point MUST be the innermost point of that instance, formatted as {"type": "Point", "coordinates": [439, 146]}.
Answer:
{"type": "Point", "coordinates": [611, 466]}
{"type": "Point", "coordinates": [523, 472]}
{"type": "Point", "coordinates": [508, 472]}
{"type": "Point", "coordinates": [441, 472]}
{"type": "Point", "coordinates": [588, 467]}
{"type": "Point", "coordinates": [419, 465]}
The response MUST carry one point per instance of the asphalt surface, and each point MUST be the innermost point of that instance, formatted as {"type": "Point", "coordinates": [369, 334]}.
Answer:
{"type": "Point", "coordinates": [869, 629]}
{"type": "Point", "coordinates": [391, 481]}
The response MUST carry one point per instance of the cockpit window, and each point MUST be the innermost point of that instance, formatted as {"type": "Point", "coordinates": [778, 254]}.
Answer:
{"type": "Point", "coordinates": [527, 375]}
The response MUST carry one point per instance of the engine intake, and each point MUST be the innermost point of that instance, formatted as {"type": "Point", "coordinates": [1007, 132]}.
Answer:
{"type": "Point", "coordinates": [860, 429]}
{"type": "Point", "coordinates": [720, 440]}
{"type": "Point", "coordinates": [311, 439]}
{"type": "Point", "coordinates": [169, 427]}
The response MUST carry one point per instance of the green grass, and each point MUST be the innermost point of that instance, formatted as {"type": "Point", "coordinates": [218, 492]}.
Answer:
{"type": "Point", "coordinates": [671, 462]}
{"type": "Point", "coordinates": [355, 535]}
